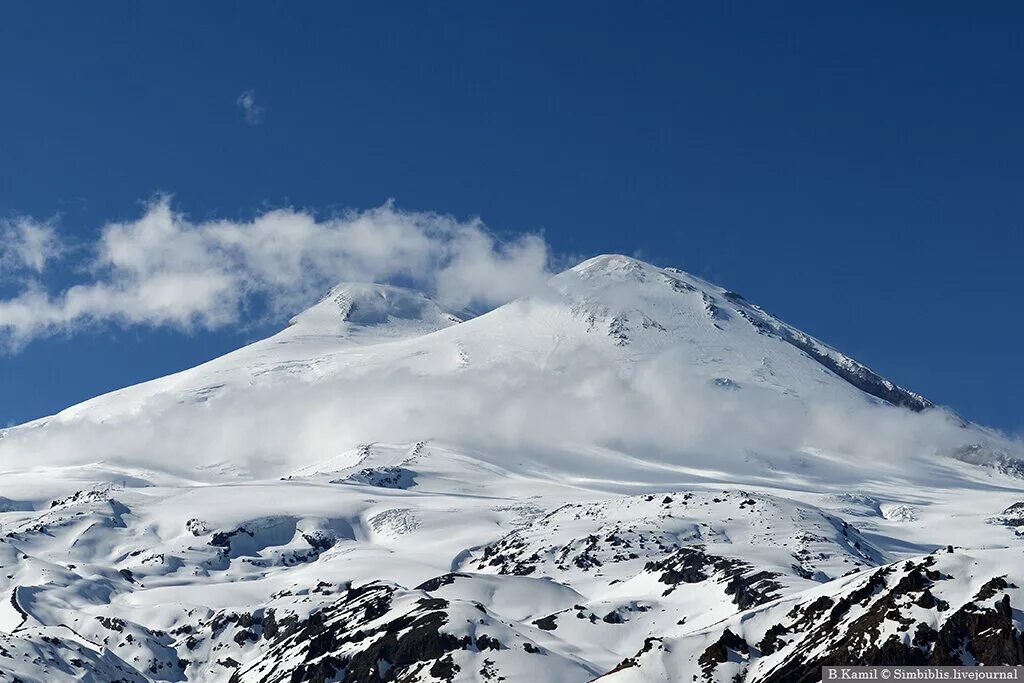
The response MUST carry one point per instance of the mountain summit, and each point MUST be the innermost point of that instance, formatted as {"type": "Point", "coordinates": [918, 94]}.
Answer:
{"type": "Point", "coordinates": [356, 310]}
{"type": "Point", "coordinates": [611, 310]}
{"type": "Point", "coordinates": [632, 474]}
{"type": "Point", "coordinates": [690, 305]}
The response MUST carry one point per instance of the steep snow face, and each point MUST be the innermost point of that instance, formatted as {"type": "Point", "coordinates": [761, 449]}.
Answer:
{"type": "Point", "coordinates": [634, 473]}
{"type": "Point", "coordinates": [638, 303]}
{"type": "Point", "coordinates": [947, 608]}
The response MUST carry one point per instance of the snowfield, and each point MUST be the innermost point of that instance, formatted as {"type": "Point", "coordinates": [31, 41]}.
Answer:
{"type": "Point", "coordinates": [634, 475]}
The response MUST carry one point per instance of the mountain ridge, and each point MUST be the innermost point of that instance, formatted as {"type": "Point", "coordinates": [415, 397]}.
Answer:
{"type": "Point", "coordinates": [393, 313]}
{"type": "Point", "coordinates": [630, 475]}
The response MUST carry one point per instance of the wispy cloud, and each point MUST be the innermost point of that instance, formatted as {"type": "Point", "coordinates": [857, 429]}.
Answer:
{"type": "Point", "coordinates": [164, 269]}
{"type": "Point", "coordinates": [251, 110]}
{"type": "Point", "coordinates": [27, 244]}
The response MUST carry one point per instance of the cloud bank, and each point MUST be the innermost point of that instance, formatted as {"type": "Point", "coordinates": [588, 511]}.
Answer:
{"type": "Point", "coordinates": [166, 270]}
{"type": "Point", "coordinates": [656, 424]}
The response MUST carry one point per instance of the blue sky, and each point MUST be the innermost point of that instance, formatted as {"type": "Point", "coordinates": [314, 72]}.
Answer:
{"type": "Point", "coordinates": [857, 169]}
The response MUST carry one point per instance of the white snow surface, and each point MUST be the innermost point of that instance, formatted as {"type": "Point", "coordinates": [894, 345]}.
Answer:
{"type": "Point", "coordinates": [599, 478]}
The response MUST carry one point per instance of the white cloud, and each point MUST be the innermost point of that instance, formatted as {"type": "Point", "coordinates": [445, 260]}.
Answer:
{"type": "Point", "coordinates": [658, 409]}
{"type": "Point", "coordinates": [482, 270]}
{"type": "Point", "coordinates": [26, 244]}
{"type": "Point", "coordinates": [251, 111]}
{"type": "Point", "coordinates": [166, 270]}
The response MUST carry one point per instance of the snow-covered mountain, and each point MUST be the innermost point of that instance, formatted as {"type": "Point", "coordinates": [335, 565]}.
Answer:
{"type": "Point", "coordinates": [633, 474]}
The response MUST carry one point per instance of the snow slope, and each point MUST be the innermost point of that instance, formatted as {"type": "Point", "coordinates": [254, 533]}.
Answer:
{"type": "Point", "coordinates": [634, 474]}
